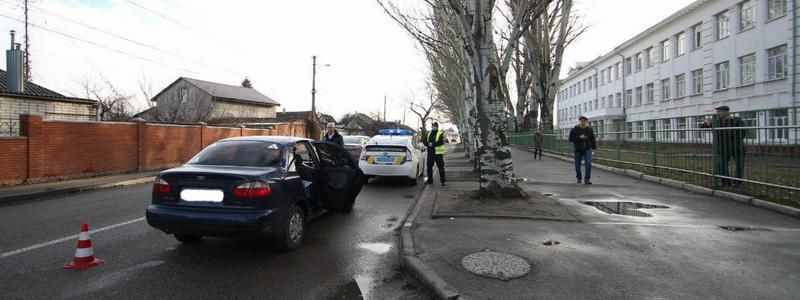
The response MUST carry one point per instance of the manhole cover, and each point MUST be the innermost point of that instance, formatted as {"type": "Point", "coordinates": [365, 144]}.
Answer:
{"type": "Point", "coordinates": [496, 265]}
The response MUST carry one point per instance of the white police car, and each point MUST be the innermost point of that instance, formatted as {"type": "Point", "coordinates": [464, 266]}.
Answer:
{"type": "Point", "coordinates": [393, 153]}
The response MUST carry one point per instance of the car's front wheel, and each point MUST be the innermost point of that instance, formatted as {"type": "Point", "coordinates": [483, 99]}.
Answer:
{"type": "Point", "coordinates": [187, 239]}
{"type": "Point", "coordinates": [293, 230]}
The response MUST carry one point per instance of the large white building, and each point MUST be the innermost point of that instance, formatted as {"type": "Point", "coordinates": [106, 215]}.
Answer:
{"type": "Point", "coordinates": [672, 75]}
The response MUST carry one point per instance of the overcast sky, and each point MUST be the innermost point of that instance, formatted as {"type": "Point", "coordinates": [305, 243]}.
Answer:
{"type": "Point", "coordinates": [271, 42]}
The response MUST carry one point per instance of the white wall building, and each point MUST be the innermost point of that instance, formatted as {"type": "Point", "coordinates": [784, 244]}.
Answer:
{"type": "Point", "coordinates": [710, 53]}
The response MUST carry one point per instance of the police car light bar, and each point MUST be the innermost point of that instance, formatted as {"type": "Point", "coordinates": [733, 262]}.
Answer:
{"type": "Point", "coordinates": [395, 132]}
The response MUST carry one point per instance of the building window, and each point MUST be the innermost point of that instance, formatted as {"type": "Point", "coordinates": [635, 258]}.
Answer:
{"type": "Point", "coordinates": [697, 82]}
{"type": "Point", "coordinates": [628, 98]}
{"type": "Point", "coordinates": [640, 129]}
{"type": "Point", "coordinates": [776, 9]}
{"type": "Point", "coordinates": [618, 100]}
{"type": "Point", "coordinates": [638, 96]}
{"type": "Point", "coordinates": [628, 66]}
{"type": "Point", "coordinates": [629, 127]}
{"type": "Point", "coordinates": [722, 75]}
{"type": "Point", "coordinates": [680, 86]}
{"type": "Point", "coordinates": [184, 95]}
{"type": "Point", "coordinates": [651, 57]}
{"type": "Point", "coordinates": [722, 25]}
{"type": "Point", "coordinates": [665, 50]}
{"type": "Point", "coordinates": [651, 92]}
{"type": "Point", "coordinates": [776, 62]}
{"type": "Point", "coordinates": [596, 104]}
{"type": "Point", "coordinates": [665, 89]}
{"type": "Point", "coordinates": [680, 44]}
{"type": "Point", "coordinates": [638, 57]}
{"type": "Point", "coordinates": [747, 69]}
{"type": "Point", "coordinates": [697, 36]}
{"type": "Point", "coordinates": [610, 100]}
{"type": "Point", "coordinates": [603, 101]}
{"type": "Point", "coordinates": [602, 77]}
{"type": "Point", "coordinates": [682, 129]}
{"type": "Point", "coordinates": [750, 119]}
{"type": "Point", "coordinates": [666, 126]}
{"type": "Point", "coordinates": [779, 117]}
{"type": "Point", "coordinates": [747, 15]}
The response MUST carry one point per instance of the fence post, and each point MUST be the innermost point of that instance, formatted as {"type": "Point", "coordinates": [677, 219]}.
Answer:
{"type": "Point", "coordinates": [655, 147]}
{"type": "Point", "coordinates": [32, 126]}
{"type": "Point", "coordinates": [141, 126]}
{"type": "Point", "coordinates": [203, 127]}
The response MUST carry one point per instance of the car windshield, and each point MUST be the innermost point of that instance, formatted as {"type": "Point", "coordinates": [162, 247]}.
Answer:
{"type": "Point", "coordinates": [352, 139]}
{"type": "Point", "coordinates": [240, 153]}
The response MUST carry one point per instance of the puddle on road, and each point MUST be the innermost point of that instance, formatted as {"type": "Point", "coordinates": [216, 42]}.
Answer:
{"type": "Point", "coordinates": [623, 208]}
{"type": "Point", "coordinates": [408, 196]}
{"type": "Point", "coordinates": [379, 248]}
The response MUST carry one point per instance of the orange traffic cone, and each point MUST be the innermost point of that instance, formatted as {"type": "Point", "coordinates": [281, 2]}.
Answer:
{"type": "Point", "coordinates": [84, 256]}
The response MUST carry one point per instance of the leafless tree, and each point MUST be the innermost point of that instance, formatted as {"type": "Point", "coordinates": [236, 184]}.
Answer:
{"type": "Point", "coordinates": [423, 109]}
{"type": "Point", "coordinates": [112, 104]}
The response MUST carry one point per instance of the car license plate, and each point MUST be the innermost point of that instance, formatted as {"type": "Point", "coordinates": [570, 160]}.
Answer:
{"type": "Point", "coordinates": [200, 195]}
{"type": "Point", "coordinates": [385, 159]}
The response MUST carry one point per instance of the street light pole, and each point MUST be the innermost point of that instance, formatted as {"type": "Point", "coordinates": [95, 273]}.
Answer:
{"type": "Point", "coordinates": [384, 108]}
{"type": "Point", "coordinates": [314, 84]}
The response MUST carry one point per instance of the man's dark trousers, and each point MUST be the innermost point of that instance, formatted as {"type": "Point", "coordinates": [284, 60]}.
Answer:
{"type": "Point", "coordinates": [586, 156]}
{"type": "Point", "coordinates": [439, 160]}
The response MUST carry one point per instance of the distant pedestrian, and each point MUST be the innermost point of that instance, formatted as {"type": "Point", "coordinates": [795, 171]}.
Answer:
{"type": "Point", "coordinates": [582, 138]}
{"type": "Point", "coordinates": [538, 139]}
{"type": "Point", "coordinates": [727, 143]}
{"type": "Point", "coordinates": [435, 147]}
{"type": "Point", "coordinates": [332, 136]}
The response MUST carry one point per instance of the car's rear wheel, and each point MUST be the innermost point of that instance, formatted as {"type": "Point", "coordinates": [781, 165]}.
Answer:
{"type": "Point", "coordinates": [293, 230]}
{"type": "Point", "coordinates": [187, 239]}
{"type": "Point", "coordinates": [414, 180]}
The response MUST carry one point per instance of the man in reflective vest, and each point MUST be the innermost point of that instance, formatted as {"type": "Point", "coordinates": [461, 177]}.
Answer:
{"type": "Point", "coordinates": [435, 147]}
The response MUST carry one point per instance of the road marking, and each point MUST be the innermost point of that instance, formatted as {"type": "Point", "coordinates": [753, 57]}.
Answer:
{"type": "Point", "coordinates": [64, 239]}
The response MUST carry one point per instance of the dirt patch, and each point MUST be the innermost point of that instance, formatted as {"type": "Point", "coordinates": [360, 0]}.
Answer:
{"type": "Point", "coordinates": [463, 203]}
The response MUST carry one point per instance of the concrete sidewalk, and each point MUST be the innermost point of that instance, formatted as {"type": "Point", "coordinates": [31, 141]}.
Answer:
{"type": "Point", "coordinates": [694, 246]}
{"type": "Point", "coordinates": [25, 192]}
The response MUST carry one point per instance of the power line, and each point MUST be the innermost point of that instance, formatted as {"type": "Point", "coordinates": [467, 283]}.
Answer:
{"type": "Point", "coordinates": [107, 47]}
{"type": "Point", "coordinates": [178, 23]}
{"type": "Point", "coordinates": [131, 40]}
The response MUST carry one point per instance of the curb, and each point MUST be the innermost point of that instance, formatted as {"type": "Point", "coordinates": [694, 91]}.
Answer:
{"type": "Point", "coordinates": [414, 265]}
{"type": "Point", "coordinates": [778, 208]}
{"type": "Point", "coordinates": [69, 190]}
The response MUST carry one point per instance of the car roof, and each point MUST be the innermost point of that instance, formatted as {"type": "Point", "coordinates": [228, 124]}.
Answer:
{"type": "Point", "coordinates": [357, 136]}
{"type": "Point", "coordinates": [389, 140]}
{"type": "Point", "coordinates": [284, 140]}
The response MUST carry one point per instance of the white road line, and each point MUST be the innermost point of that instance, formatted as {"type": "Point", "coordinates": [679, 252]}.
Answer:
{"type": "Point", "coordinates": [64, 239]}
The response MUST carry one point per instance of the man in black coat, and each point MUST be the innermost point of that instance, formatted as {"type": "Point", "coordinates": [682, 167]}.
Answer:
{"type": "Point", "coordinates": [332, 136]}
{"type": "Point", "coordinates": [728, 143]}
{"type": "Point", "coordinates": [582, 138]}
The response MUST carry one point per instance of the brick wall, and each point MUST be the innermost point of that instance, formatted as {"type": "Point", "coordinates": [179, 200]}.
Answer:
{"type": "Point", "coordinates": [51, 150]}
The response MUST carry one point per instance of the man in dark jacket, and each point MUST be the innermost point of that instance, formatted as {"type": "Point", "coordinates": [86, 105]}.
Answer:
{"type": "Point", "coordinates": [728, 143]}
{"type": "Point", "coordinates": [582, 138]}
{"type": "Point", "coordinates": [538, 138]}
{"type": "Point", "coordinates": [435, 147]}
{"type": "Point", "coordinates": [332, 136]}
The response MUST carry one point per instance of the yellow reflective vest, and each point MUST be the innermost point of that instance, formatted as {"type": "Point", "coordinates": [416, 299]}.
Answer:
{"type": "Point", "coordinates": [438, 149]}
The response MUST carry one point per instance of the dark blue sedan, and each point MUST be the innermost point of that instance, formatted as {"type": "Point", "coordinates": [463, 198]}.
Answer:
{"type": "Point", "coordinates": [254, 186]}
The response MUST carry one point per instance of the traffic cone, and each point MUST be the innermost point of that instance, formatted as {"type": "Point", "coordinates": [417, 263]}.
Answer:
{"type": "Point", "coordinates": [84, 255]}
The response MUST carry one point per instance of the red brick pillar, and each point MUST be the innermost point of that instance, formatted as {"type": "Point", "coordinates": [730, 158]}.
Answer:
{"type": "Point", "coordinates": [141, 125]}
{"type": "Point", "coordinates": [241, 132]}
{"type": "Point", "coordinates": [203, 128]}
{"type": "Point", "coordinates": [32, 126]}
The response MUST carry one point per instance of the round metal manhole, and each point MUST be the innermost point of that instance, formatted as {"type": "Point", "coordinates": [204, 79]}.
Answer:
{"type": "Point", "coordinates": [498, 265]}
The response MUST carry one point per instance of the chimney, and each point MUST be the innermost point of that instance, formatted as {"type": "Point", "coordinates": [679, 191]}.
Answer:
{"type": "Point", "coordinates": [14, 68]}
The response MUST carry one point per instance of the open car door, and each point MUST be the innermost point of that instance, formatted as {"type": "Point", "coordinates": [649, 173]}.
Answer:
{"type": "Point", "coordinates": [340, 179]}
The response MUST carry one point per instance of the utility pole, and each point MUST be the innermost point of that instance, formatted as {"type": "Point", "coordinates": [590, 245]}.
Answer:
{"type": "Point", "coordinates": [384, 108]}
{"type": "Point", "coordinates": [27, 46]}
{"type": "Point", "coordinates": [313, 84]}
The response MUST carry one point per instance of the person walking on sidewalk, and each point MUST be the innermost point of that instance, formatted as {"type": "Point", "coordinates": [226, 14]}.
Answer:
{"type": "Point", "coordinates": [332, 136]}
{"type": "Point", "coordinates": [729, 144]}
{"type": "Point", "coordinates": [582, 138]}
{"type": "Point", "coordinates": [538, 138]}
{"type": "Point", "coordinates": [435, 147]}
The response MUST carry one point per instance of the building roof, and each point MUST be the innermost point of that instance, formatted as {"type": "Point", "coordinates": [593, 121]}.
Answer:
{"type": "Point", "coordinates": [33, 90]}
{"type": "Point", "coordinates": [289, 116]}
{"type": "Point", "coordinates": [226, 92]}
{"type": "Point", "coordinates": [326, 118]}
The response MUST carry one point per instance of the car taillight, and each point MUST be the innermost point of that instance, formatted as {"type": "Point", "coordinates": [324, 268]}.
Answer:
{"type": "Point", "coordinates": [409, 156]}
{"type": "Point", "coordinates": [160, 186]}
{"type": "Point", "coordinates": [255, 189]}
{"type": "Point", "coordinates": [363, 154]}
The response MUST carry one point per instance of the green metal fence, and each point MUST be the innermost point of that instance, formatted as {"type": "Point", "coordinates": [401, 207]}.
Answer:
{"type": "Point", "coordinates": [768, 156]}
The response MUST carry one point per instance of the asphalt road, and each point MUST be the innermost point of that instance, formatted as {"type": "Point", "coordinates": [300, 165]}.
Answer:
{"type": "Point", "coordinates": [342, 256]}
